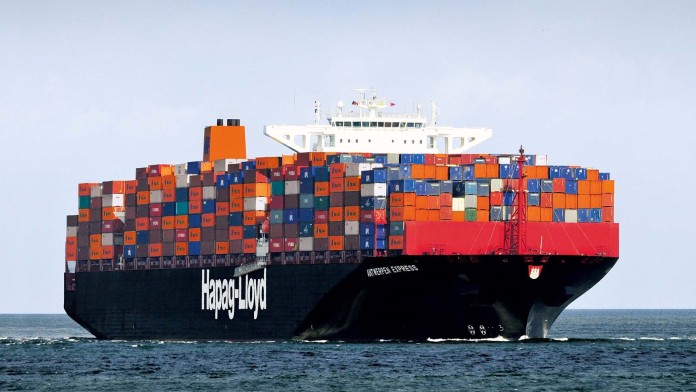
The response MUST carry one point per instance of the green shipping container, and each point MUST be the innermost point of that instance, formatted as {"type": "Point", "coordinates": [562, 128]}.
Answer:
{"type": "Point", "coordinates": [321, 203]}
{"type": "Point", "coordinates": [470, 215]}
{"type": "Point", "coordinates": [277, 188]}
{"type": "Point", "coordinates": [83, 202]}
{"type": "Point", "coordinates": [182, 208]}
{"type": "Point", "coordinates": [306, 201]}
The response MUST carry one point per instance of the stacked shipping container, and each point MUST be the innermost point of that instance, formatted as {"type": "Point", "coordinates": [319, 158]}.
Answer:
{"type": "Point", "coordinates": [316, 202]}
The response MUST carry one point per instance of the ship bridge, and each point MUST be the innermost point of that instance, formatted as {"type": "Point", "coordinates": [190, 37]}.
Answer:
{"type": "Point", "coordinates": [367, 128]}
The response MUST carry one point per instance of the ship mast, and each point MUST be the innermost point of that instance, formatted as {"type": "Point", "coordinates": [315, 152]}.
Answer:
{"type": "Point", "coordinates": [516, 230]}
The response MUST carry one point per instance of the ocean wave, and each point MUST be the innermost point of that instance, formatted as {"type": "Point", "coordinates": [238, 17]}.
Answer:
{"type": "Point", "coordinates": [652, 338]}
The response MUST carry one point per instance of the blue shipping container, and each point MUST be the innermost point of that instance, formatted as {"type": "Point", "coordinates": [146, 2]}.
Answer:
{"type": "Point", "coordinates": [306, 215]}
{"type": "Point", "coordinates": [558, 215]}
{"type": "Point", "coordinates": [195, 220]}
{"type": "Point", "coordinates": [129, 251]}
{"type": "Point", "coordinates": [236, 219]}
{"type": "Point", "coordinates": [291, 215]}
{"type": "Point", "coordinates": [208, 206]}
{"type": "Point", "coordinates": [534, 185]}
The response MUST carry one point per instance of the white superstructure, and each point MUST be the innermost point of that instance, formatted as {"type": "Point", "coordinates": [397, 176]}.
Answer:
{"type": "Point", "coordinates": [368, 129]}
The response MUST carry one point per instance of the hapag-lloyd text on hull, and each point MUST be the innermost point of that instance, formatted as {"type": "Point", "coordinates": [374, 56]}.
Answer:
{"type": "Point", "coordinates": [221, 294]}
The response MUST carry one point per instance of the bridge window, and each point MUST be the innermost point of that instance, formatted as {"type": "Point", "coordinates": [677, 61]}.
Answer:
{"type": "Point", "coordinates": [365, 124]}
{"type": "Point", "coordinates": [403, 124]}
{"type": "Point", "coordinates": [419, 125]}
{"type": "Point", "coordinates": [395, 125]}
{"type": "Point", "coordinates": [339, 123]}
{"type": "Point", "coordinates": [410, 125]}
{"type": "Point", "coordinates": [373, 124]}
{"type": "Point", "coordinates": [387, 125]}
{"type": "Point", "coordinates": [356, 124]}
{"type": "Point", "coordinates": [380, 124]}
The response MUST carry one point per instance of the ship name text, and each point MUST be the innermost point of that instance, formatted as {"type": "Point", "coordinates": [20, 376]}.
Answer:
{"type": "Point", "coordinates": [392, 269]}
{"type": "Point", "coordinates": [242, 293]}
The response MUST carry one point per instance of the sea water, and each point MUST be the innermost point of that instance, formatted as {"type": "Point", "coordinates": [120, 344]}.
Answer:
{"type": "Point", "coordinates": [587, 350]}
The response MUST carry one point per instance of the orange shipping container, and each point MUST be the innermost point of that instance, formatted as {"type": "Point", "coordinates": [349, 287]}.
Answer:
{"type": "Point", "coordinates": [396, 242]}
{"type": "Point", "coordinates": [433, 215]}
{"type": "Point", "coordinates": [417, 171]}
{"type": "Point", "coordinates": [71, 250]}
{"type": "Point", "coordinates": [607, 200]}
{"type": "Point", "coordinates": [492, 170]}
{"type": "Point", "coordinates": [236, 205]}
{"type": "Point", "coordinates": [441, 173]}
{"type": "Point", "coordinates": [433, 202]}
{"type": "Point", "coordinates": [542, 172]}
{"type": "Point", "coordinates": [194, 234]}
{"type": "Point", "coordinates": [335, 214]}
{"type": "Point", "coordinates": [143, 197]}
{"type": "Point", "coordinates": [154, 183]}
{"type": "Point", "coordinates": [337, 184]}
{"type": "Point", "coordinates": [142, 224]}
{"type": "Point", "coordinates": [607, 214]}
{"type": "Point", "coordinates": [236, 232]}
{"type": "Point", "coordinates": [352, 184]}
{"type": "Point", "coordinates": [181, 248]}
{"type": "Point", "coordinates": [595, 201]}
{"type": "Point", "coordinates": [267, 163]}
{"type": "Point", "coordinates": [222, 208]}
{"type": "Point", "coordinates": [257, 189]}
{"type": "Point", "coordinates": [250, 218]}
{"type": "Point", "coordinates": [321, 188]}
{"type": "Point", "coordinates": [337, 170]}
{"type": "Point", "coordinates": [83, 215]}
{"type": "Point", "coordinates": [129, 238]}
{"type": "Point", "coordinates": [107, 252]}
{"type": "Point", "coordinates": [583, 187]}
{"type": "Point", "coordinates": [533, 213]}
{"type": "Point", "coordinates": [352, 213]}
{"type": "Point", "coordinates": [321, 230]}
{"type": "Point", "coordinates": [110, 213]}
{"type": "Point", "coordinates": [396, 214]}
{"type": "Point", "coordinates": [409, 199]}
{"type": "Point", "coordinates": [168, 223]}
{"type": "Point", "coordinates": [595, 187]}
{"type": "Point", "coordinates": [559, 200]}
{"type": "Point", "coordinates": [95, 253]}
{"type": "Point", "coordinates": [546, 214]}
{"type": "Point", "coordinates": [317, 158]}
{"type": "Point", "coordinates": [421, 215]}
{"type": "Point", "coordinates": [458, 216]}
{"type": "Point", "coordinates": [195, 206]}
{"type": "Point", "coordinates": [169, 182]}
{"type": "Point", "coordinates": [584, 201]}
{"type": "Point", "coordinates": [396, 199]}
{"type": "Point", "coordinates": [430, 171]}
{"type": "Point", "coordinates": [131, 187]}
{"type": "Point", "coordinates": [593, 174]}
{"type": "Point", "coordinates": [169, 195]}
{"type": "Point", "coordinates": [208, 220]}
{"type": "Point", "coordinates": [155, 250]}
{"type": "Point", "coordinates": [608, 186]}
{"type": "Point", "coordinates": [482, 216]}
{"type": "Point", "coordinates": [181, 222]}
{"type": "Point", "coordinates": [223, 247]}
{"type": "Point", "coordinates": [236, 191]}
{"type": "Point", "coordinates": [195, 193]}
{"type": "Point", "coordinates": [207, 166]}
{"type": "Point", "coordinates": [336, 242]}
{"type": "Point", "coordinates": [422, 202]}
{"type": "Point", "coordinates": [249, 245]}
{"type": "Point", "coordinates": [480, 170]}
{"type": "Point", "coordinates": [482, 204]}
{"type": "Point", "coordinates": [571, 201]}
{"type": "Point", "coordinates": [95, 240]}
{"type": "Point", "coordinates": [85, 189]}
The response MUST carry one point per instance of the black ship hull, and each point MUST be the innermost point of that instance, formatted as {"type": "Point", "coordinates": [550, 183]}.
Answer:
{"type": "Point", "coordinates": [403, 298]}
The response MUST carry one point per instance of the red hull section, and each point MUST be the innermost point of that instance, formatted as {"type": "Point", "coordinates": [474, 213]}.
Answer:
{"type": "Point", "coordinates": [480, 238]}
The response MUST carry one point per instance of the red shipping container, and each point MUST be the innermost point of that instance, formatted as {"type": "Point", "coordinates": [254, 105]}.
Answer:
{"type": "Point", "coordinates": [496, 198]}
{"type": "Point", "coordinates": [434, 202]}
{"type": "Point", "coordinates": [236, 232]}
{"type": "Point", "coordinates": [335, 214]}
{"type": "Point", "coordinates": [249, 245]}
{"type": "Point", "coordinates": [195, 206]}
{"type": "Point", "coordinates": [559, 185]}
{"type": "Point", "coordinates": [380, 217]}
{"type": "Point", "coordinates": [155, 223]}
{"type": "Point", "coordinates": [222, 247]}
{"type": "Point", "coordinates": [546, 200]}
{"type": "Point", "coordinates": [337, 185]}
{"type": "Point", "coordinates": [337, 170]}
{"type": "Point", "coordinates": [208, 220]}
{"type": "Point", "coordinates": [290, 244]}
{"type": "Point", "coordinates": [607, 214]}
{"type": "Point", "coordinates": [181, 235]}
{"type": "Point", "coordinates": [321, 216]}
{"type": "Point", "coordinates": [194, 234]}
{"type": "Point", "coordinates": [156, 209]}
{"type": "Point", "coordinates": [277, 202]}
{"type": "Point", "coordinates": [275, 245]}
{"type": "Point", "coordinates": [292, 172]}
{"type": "Point", "coordinates": [181, 221]}
{"type": "Point", "coordinates": [608, 200]}
{"type": "Point", "coordinates": [446, 213]}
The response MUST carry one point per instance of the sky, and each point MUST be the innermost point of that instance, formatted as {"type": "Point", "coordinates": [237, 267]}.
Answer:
{"type": "Point", "coordinates": [91, 90]}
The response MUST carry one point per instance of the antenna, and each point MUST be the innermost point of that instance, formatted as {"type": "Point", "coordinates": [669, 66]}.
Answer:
{"type": "Point", "coordinates": [317, 112]}
{"type": "Point", "coordinates": [434, 115]}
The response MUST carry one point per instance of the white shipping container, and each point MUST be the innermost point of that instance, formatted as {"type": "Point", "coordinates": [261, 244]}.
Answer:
{"type": "Point", "coordinates": [496, 185]}
{"type": "Point", "coordinates": [542, 160]}
{"type": "Point", "coordinates": [208, 193]}
{"type": "Point", "coordinates": [180, 169]}
{"type": "Point", "coordinates": [571, 216]}
{"type": "Point", "coordinates": [255, 203]}
{"type": "Point", "coordinates": [306, 244]}
{"type": "Point", "coordinates": [353, 169]}
{"type": "Point", "coordinates": [71, 231]}
{"type": "Point", "coordinates": [155, 196]}
{"type": "Point", "coordinates": [115, 200]}
{"type": "Point", "coordinates": [392, 158]}
{"type": "Point", "coordinates": [182, 181]}
{"type": "Point", "coordinates": [364, 167]}
{"type": "Point", "coordinates": [458, 204]}
{"type": "Point", "coordinates": [107, 239]}
{"type": "Point", "coordinates": [220, 165]}
{"type": "Point", "coordinates": [376, 165]}
{"type": "Point", "coordinates": [470, 201]}
{"type": "Point", "coordinates": [376, 189]}
{"type": "Point", "coordinates": [292, 187]}
{"type": "Point", "coordinates": [96, 191]}
{"type": "Point", "coordinates": [503, 160]}
{"type": "Point", "coordinates": [71, 266]}
{"type": "Point", "coordinates": [352, 228]}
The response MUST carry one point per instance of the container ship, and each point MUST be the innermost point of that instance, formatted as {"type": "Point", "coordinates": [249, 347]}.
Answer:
{"type": "Point", "coordinates": [377, 226]}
